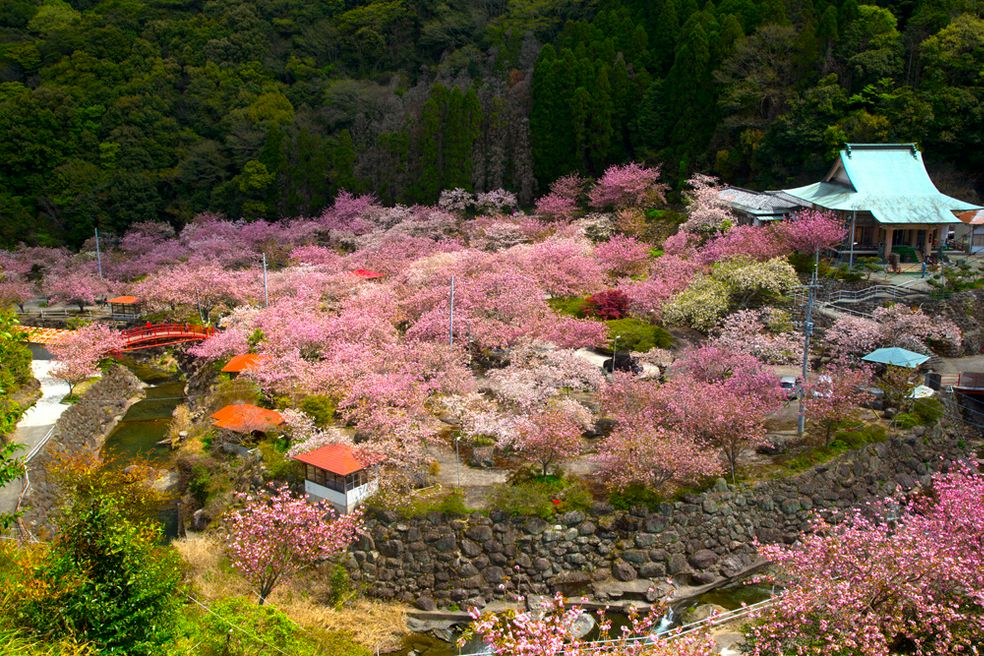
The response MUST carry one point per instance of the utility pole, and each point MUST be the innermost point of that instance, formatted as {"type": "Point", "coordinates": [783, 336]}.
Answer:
{"type": "Point", "coordinates": [451, 317]}
{"type": "Point", "coordinates": [266, 294]}
{"type": "Point", "coordinates": [854, 218]}
{"type": "Point", "coordinates": [807, 333]}
{"type": "Point", "coordinates": [99, 260]}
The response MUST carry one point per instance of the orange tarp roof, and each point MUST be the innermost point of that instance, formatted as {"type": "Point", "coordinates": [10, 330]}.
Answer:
{"type": "Point", "coordinates": [243, 362]}
{"type": "Point", "coordinates": [45, 335]}
{"type": "Point", "coordinates": [246, 418]}
{"type": "Point", "coordinates": [124, 300]}
{"type": "Point", "coordinates": [339, 459]}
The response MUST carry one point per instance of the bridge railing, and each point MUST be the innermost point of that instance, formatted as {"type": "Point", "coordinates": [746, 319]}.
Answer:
{"type": "Point", "coordinates": [166, 330]}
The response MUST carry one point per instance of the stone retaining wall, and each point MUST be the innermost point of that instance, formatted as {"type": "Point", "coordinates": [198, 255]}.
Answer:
{"type": "Point", "coordinates": [439, 560]}
{"type": "Point", "coordinates": [83, 427]}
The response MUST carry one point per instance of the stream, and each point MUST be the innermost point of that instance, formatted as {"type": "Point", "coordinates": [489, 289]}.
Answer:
{"type": "Point", "coordinates": [137, 434]}
{"type": "Point", "coordinates": [730, 597]}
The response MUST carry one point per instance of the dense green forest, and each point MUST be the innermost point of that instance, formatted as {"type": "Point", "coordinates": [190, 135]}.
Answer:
{"type": "Point", "coordinates": [116, 111]}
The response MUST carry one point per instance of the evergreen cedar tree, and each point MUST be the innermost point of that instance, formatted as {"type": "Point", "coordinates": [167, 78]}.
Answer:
{"type": "Point", "coordinates": [756, 92]}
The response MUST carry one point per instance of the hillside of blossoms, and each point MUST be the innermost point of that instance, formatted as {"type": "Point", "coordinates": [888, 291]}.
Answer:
{"type": "Point", "coordinates": [601, 351]}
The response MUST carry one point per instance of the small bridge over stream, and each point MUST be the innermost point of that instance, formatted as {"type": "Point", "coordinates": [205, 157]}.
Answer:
{"type": "Point", "coordinates": [163, 334]}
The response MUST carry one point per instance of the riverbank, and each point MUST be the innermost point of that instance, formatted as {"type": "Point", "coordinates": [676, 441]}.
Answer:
{"type": "Point", "coordinates": [82, 427]}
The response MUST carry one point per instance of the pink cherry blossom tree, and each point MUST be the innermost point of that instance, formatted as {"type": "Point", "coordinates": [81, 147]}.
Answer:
{"type": "Point", "coordinates": [654, 456]}
{"type": "Point", "coordinates": [15, 292]}
{"type": "Point", "coordinates": [707, 211]}
{"type": "Point", "coordinates": [766, 334]}
{"type": "Point", "coordinates": [79, 286]}
{"type": "Point", "coordinates": [550, 630]}
{"type": "Point", "coordinates": [630, 185]}
{"type": "Point", "coordinates": [552, 434]}
{"type": "Point", "coordinates": [908, 580]}
{"type": "Point", "coordinates": [562, 201]}
{"type": "Point", "coordinates": [811, 231]}
{"type": "Point", "coordinates": [78, 354]}
{"type": "Point", "coordinates": [757, 242]}
{"type": "Point", "coordinates": [623, 256]}
{"type": "Point", "coordinates": [834, 396]}
{"type": "Point", "coordinates": [276, 535]}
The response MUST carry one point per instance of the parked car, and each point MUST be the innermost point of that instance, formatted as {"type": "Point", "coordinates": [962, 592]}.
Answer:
{"type": "Point", "coordinates": [790, 385]}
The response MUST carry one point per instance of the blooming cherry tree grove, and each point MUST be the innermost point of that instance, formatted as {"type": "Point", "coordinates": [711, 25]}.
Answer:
{"type": "Point", "coordinates": [277, 534]}
{"type": "Point", "coordinates": [629, 185]}
{"type": "Point", "coordinates": [909, 580]}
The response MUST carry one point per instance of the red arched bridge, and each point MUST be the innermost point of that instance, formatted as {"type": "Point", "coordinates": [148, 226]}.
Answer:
{"type": "Point", "coordinates": [163, 334]}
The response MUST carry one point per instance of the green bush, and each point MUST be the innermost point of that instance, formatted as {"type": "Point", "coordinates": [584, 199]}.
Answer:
{"type": "Point", "coordinates": [636, 335]}
{"type": "Point", "coordinates": [906, 420]}
{"type": "Point", "coordinates": [451, 502]}
{"type": "Point", "coordinates": [278, 466]}
{"type": "Point", "coordinates": [200, 482]}
{"type": "Point", "coordinates": [341, 585]}
{"type": "Point", "coordinates": [635, 494]}
{"type": "Point", "coordinates": [542, 496]}
{"type": "Point", "coordinates": [844, 440]}
{"type": "Point", "coordinates": [929, 410]}
{"type": "Point", "coordinates": [574, 306]}
{"type": "Point", "coordinates": [239, 627]}
{"type": "Point", "coordinates": [321, 408]}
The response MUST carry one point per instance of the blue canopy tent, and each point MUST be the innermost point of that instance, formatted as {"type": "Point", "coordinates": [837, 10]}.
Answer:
{"type": "Point", "coordinates": [898, 357]}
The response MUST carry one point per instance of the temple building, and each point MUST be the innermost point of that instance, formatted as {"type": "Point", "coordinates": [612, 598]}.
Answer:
{"type": "Point", "coordinates": [886, 194]}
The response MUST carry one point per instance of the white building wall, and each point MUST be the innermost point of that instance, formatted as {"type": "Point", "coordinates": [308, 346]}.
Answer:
{"type": "Point", "coordinates": [343, 502]}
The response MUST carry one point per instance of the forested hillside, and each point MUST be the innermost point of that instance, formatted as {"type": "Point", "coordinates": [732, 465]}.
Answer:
{"type": "Point", "coordinates": [117, 111]}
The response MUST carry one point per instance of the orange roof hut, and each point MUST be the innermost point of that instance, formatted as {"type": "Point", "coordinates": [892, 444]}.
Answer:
{"type": "Point", "coordinates": [245, 418]}
{"type": "Point", "coordinates": [240, 363]}
{"type": "Point", "coordinates": [337, 474]}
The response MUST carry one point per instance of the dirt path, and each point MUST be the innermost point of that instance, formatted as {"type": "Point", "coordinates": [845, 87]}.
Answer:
{"type": "Point", "coordinates": [476, 483]}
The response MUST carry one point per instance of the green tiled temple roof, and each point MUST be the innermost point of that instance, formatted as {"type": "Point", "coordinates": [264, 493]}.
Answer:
{"type": "Point", "coordinates": [888, 180]}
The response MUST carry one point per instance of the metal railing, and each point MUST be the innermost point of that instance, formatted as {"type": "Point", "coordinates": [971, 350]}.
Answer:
{"type": "Point", "coordinates": [874, 292]}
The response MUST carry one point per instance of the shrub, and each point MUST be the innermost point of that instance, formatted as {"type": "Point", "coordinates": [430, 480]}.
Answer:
{"type": "Point", "coordinates": [609, 304]}
{"type": "Point", "coordinates": [279, 467]}
{"type": "Point", "coordinates": [321, 408]}
{"type": "Point", "coordinates": [637, 335]}
{"type": "Point", "coordinates": [237, 390]}
{"type": "Point", "coordinates": [574, 306]}
{"type": "Point", "coordinates": [929, 410]}
{"type": "Point", "coordinates": [633, 495]}
{"type": "Point", "coordinates": [906, 420]}
{"type": "Point", "coordinates": [541, 496]}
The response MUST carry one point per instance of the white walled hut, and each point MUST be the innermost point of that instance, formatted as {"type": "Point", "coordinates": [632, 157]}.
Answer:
{"type": "Point", "coordinates": [335, 473]}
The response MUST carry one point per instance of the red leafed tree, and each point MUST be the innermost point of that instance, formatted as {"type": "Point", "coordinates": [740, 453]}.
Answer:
{"type": "Point", "coordinates": [278, 534]}
{"type": "Point", "coordinates": [78, 354]}
{"type": "Point", "coordinates": [609, 304]}
{"type": "Point", "coordinates": [834, 396]}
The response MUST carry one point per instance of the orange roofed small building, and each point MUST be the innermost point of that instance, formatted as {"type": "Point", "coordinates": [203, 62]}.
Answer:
{"type": "Point", "coordinates": [246, 419]}
{"type": "Point", "coordinates": [125, 308]}
{"type": "Point", "coordinates": [337, 474]}
{"type": "Point", "coordinates": [240, 363]}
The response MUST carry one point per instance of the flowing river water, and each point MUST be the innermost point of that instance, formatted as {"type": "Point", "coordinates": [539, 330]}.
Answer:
{"type": "Point", "coordinates": [730, 597]}
{"type": "Point", "coordinates": [137, 434]}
